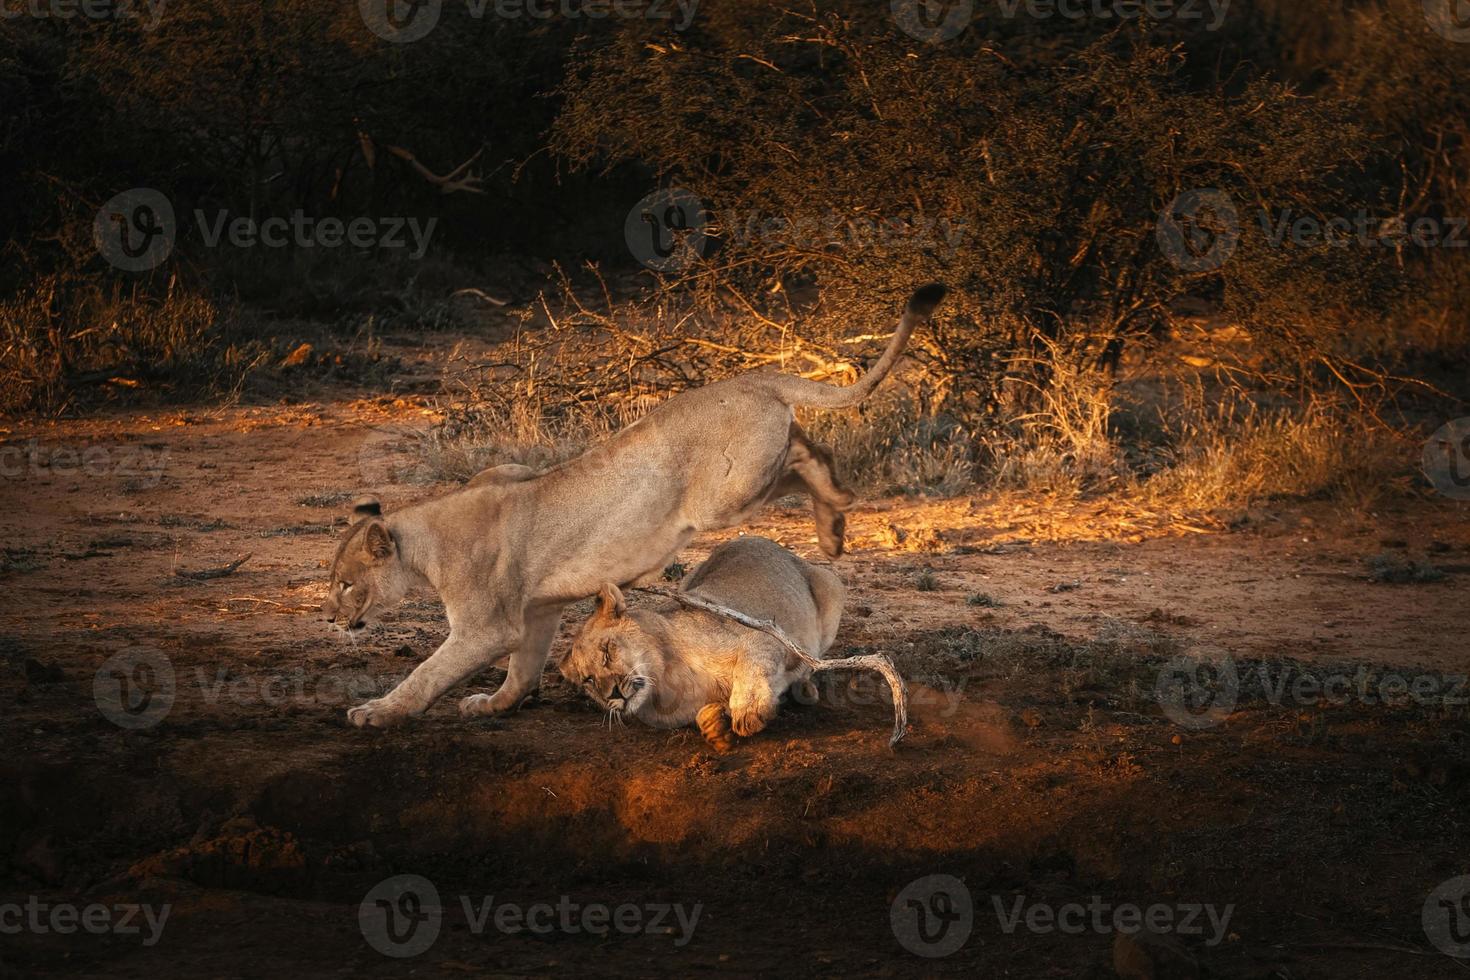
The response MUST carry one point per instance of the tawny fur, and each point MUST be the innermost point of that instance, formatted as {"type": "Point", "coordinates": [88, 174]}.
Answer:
{"type": "Point", "coordinates": [507, 553]}
{"type": "Point", "coordinates": [672, 666]}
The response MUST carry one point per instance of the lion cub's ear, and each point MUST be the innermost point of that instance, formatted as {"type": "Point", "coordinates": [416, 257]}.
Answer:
{"type": "Point", "coordinates": [610, 601]}
{"type": "Point", "coordinates": [368, 506]}
{"type": "Point", "coordinates": [378, 541]}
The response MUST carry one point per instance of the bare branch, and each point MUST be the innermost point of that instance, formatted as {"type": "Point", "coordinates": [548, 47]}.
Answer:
{"type": "Point", "coordinates": [874, 661]}
{"type": "Point", "coordinates": [458, 179]}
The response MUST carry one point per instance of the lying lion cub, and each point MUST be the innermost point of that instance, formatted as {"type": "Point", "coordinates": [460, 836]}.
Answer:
{"type": "Point", "coordinates": [508, 552]}
{"type": "Point", "coordinates": [671, 666]}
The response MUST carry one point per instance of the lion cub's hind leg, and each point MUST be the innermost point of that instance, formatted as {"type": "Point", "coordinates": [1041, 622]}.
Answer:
{"type": "Point", "coordinates": [811, 463]}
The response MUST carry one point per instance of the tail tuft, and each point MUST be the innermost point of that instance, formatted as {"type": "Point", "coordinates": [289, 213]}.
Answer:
{"type": "Point", "coordinates": [926, 299]}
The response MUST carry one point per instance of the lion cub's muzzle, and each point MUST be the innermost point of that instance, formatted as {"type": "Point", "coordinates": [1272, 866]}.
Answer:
{"type": "Point", "coordinates": [625, 691]}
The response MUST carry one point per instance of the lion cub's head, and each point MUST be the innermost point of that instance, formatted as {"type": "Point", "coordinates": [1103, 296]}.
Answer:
{"type": "Point", "coordinates": [614, 659]}
{"type": "Point", "coordinates": [368, 576]}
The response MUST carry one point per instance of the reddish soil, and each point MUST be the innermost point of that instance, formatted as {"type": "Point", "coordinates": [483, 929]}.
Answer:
{"type": "Point", "coordinates": [1040, 764]}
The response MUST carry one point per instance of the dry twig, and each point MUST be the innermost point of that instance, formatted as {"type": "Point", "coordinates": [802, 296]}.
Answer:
{"type": "Point", "coordinates": [204, 574]}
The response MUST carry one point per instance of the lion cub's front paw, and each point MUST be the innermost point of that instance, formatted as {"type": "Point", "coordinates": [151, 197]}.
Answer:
{"type": "Point", "coordinates": [714, 725]}
{"type": "Point", "coordinates": [376, 714]}
{"type": "Point", "coordinates": [479, 705]}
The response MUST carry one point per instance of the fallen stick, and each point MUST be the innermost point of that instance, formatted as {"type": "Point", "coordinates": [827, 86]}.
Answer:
{"type": "Point", "coordinates": [205, 574]}
{"type": "Point", "coordinates": [872, 661]}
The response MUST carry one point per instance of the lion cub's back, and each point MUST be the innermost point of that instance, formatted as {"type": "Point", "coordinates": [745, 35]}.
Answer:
{"type": "Point", "coordinates": [758, 577]}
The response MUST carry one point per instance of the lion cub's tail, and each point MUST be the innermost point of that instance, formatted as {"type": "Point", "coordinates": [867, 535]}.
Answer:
{"type": "Point", "coordinates": [802, 391]}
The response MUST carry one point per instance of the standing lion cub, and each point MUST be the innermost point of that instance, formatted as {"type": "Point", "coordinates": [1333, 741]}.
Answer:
{"type": "Point", "coordinates": [510, 551]}
{"type": "Point", "coordinates": [672, 665]}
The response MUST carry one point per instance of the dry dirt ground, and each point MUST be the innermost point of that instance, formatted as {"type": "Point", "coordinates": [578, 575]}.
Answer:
{"type": "Point", "coordinates": [1042, 768]}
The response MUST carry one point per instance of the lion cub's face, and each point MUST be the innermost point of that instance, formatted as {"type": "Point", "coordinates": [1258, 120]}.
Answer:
{"type": "Point", "coordinates": [367, 576]}
{"type": "Point", "coordinates": [613, 659]}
